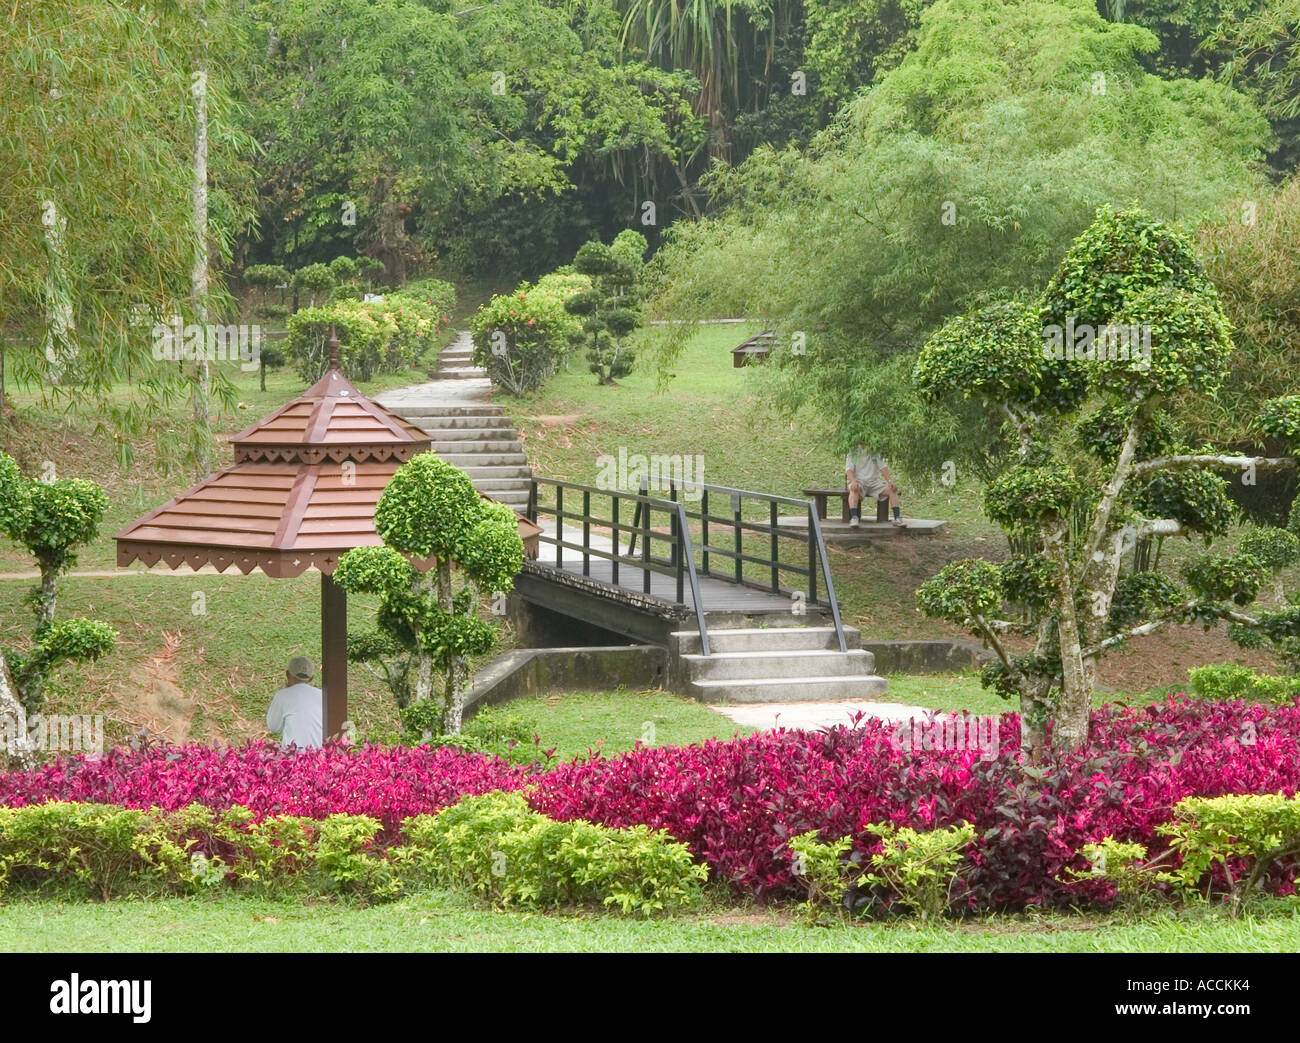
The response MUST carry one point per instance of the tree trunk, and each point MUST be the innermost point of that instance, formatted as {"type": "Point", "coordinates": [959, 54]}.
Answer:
{"type": "Point", "coordinates": [423, 683]}
{"type": "Point", "coordinates": [199, 274]}
{"type": "Point", "coordinates": [1071, 727]}
{"type": "Point", "coordinates": [1033, 739]}
{"type": "Point", "coordinates": [451, 693]}
{"type": "Point", "coordinates": [19, 752]}
{"type": "Point", "coordinates": [453, 697]}
{"type": "Point", "coordinates": [59, 315]}
{"type": "Point", "coordinates": [49, 596]}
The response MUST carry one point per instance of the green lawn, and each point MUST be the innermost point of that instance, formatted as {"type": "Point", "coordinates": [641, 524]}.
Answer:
{"type": "Point", "coordinates": [442, 922]}
{"type": "Point", "coordinates": [954, 693]}
{"type": "Point", "coordinates": [574, 724]}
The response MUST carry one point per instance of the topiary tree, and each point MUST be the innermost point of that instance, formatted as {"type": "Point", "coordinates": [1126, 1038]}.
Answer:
{"type": "Point", "coordinates": [370, 271]}
{"type": "Point", "coordinates": [609, 310]}
{"type": "Point", "coordinates": [431, 513]}
{"type": "Point", "coordinates": [315, 279]}
{"type": "Point", "coordinates": [1127, 333]}
{"type": "Point", "coordinates": [267, 277]}
{"type": "Point", "coordinates": [50, 519]}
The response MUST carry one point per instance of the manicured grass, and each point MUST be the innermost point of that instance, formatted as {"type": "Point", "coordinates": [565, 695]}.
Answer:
{"type": "Point", "coordinates": [709, 409]}
{"type": "Point", "coordinates": [440, 922]}
{"type": "Point", "coordinates": [609, 722]}
{"type": "Point", "coordinates": [953, 693]}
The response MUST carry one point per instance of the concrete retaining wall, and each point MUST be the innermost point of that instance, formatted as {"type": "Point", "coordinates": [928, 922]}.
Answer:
{"type": "Point", "coordinates": [926, 657]}
{"type": "Point", "coordinates": [531, 671]}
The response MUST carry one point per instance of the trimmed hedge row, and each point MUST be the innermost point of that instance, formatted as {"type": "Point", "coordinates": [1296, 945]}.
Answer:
{"type": "Point", "coordinates": [737, 805]}
{"type": "Point", "coordinates": [494, 846]}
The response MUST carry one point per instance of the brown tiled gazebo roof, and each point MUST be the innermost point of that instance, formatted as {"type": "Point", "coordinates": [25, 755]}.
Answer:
{"type": "Point", "coordinates": [302, 490]}
{"type": "Point", "coordinates": [332, 420]}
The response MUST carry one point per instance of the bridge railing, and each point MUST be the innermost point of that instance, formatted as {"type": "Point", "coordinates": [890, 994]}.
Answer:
{"type": "Point", "coordinates": [748, 545]}
{"type": "Point", "coordinates": [629, 513]}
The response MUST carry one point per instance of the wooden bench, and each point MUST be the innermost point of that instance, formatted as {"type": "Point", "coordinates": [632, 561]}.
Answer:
{"type": "Point", "coordinates": [820, 496]}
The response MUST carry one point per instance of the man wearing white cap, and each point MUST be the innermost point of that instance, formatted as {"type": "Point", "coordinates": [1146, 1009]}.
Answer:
{"type": "Point", "coordinates": [296, 711]}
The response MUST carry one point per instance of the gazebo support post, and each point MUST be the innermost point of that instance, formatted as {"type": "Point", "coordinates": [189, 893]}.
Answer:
{"type": "Point", "coordinates": [333, 654]}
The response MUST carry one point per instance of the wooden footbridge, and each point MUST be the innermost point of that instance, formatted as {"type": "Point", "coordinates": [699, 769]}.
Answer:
{"type": "Point", "coordinates": [700, 557]}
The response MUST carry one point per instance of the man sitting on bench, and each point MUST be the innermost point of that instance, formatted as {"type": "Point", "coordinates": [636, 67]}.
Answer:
{"type": "Point", "coordinates": [869, 475]}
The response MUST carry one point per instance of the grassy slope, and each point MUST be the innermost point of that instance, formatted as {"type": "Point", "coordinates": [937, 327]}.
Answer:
{"type": "Point", "coordinates": [439, 922]}
{"type": "Point", "coordinates": [712, 409]}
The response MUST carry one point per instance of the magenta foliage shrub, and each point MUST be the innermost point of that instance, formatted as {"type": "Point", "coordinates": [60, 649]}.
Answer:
{"type": "Point", "coordinates": [388, 783]}
{"type": "Point", "coordinates": [737, 803]}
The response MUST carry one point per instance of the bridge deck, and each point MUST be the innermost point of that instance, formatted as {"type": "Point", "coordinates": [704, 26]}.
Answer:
{"type": "Point", "coordinates": [718, 595]}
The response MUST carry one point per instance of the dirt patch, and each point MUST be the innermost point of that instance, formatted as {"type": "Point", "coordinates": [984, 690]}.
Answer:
{"type": "Point", "coordinates": [1164, 658]}
{"type": "Point", "coordinates": [154, 700]}
{"type": "Point", "coordinates": [556, 419]}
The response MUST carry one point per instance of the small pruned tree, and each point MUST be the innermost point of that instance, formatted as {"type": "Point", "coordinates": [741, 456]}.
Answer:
{"type": "Point", "coordinates": [1089, 381]}
{"type": "Point", "coordinates": [268, 277]}
{"type": "Point", "coordinates": [62, 514]}
{"type": "Point", "coordinates": [50, 519]}
{"type": "Point", "coordinates": [610, 309]}
{"type": "Point", "coordinates": [428, 623]}
{"type": "Point", "coordinates": [316, 280]}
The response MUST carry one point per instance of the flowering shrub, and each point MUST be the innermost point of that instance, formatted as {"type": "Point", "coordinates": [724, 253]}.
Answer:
{"type": "Point", "coordinates": [437, 295]}
{"type": "Point", "coordinates": [738, 804]}
{"type": "Point", "coordinates": [374, 337]}
{"type": "Point", "coordinates": [520, 337]}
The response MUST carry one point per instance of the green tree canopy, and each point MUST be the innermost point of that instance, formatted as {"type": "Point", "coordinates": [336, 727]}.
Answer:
{"type": "Point", "coordinates": [958, 179]}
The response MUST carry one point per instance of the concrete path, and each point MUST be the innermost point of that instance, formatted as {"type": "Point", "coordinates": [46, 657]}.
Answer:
{"type": "Point", "coordinates": [813, 716]}
{"type": "Point", "coordinates": [468, 388]}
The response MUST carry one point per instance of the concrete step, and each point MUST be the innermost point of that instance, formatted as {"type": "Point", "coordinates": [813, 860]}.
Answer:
{"type": "Point", "coordinates": [477, 460]}
{"type": "Point", "coordinates": [465, 445]}
{"type": "Point", "coordinates": [472, 427]}
{"type": "Point", "coordinates": [820, 662]}
{"type": "Point", "coordinates": [759, 639]}
{"type": "Point", "coordinates": [791, 689]}
{"type": "Point", "coordinates": [456, 372]}
{"type": "Point", "coordinates": [519, 472]}
{"type": "Point", "coordinates": [475, 410]}
{"type": "Point", "coordinates": [516, 501]}
{"type": "Point", "coordinates": [503, 484]}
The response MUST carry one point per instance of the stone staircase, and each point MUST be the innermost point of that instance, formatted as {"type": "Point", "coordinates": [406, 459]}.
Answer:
{"type": "Point", "coordinates": [467, 429]}
{"type": "Point", "coordinates": [775, 665]}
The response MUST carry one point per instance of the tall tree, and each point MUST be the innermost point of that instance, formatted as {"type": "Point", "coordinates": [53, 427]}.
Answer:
{"type": "Point", "coordinates": [962, 174]}
{"type": "Point", "coordinates": [96, 214]}
{"type": "Point", "coordinates": [1091, 380]}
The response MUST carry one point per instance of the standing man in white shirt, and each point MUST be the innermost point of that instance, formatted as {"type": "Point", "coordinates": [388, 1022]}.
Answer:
{"type": "Point", "coordinates": [296, 710]}
{"type": "Point", "coordinates": [869, 475]}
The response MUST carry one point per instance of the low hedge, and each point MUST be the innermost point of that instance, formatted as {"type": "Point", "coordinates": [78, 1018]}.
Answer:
{"type": "Point", "coordinates": [494, 846]}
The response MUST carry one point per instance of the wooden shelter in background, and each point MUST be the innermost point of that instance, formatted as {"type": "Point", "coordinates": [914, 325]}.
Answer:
{"type": "Point", "coordinates": [301, 492]}
{"type": "Point", "coordinates": [756, 349]}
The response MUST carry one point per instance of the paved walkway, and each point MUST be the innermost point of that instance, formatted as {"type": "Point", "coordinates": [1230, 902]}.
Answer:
{"type": "Point", "coordinates": [813, 716]}
{"type": "Point", "coordinates": [466, 390]}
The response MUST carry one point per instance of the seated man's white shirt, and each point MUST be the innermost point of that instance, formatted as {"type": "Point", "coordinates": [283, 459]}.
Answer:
{"type": "Point", "coordinates": [296, 713]}
{"type": "Point", "coordinates": [865, 466]}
